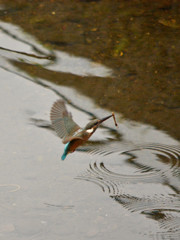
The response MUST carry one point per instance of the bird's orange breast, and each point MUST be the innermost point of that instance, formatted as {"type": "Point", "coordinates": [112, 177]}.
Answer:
{"type": "Point", "coordinates": [74, 144]}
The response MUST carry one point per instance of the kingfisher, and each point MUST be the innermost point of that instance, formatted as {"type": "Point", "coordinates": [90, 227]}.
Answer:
{"type": "Point", "coordinates": [71, 133]}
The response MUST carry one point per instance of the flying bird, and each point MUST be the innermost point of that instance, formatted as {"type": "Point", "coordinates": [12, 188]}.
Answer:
{"type": "Point", "coordinates": [71, 133]}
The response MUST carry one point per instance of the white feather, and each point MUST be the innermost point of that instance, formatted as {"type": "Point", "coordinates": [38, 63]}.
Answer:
{"type": "Point", "coordinates": [90, 130]}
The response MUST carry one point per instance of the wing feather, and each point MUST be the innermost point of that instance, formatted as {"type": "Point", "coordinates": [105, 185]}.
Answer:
{"type": "Point", "coordinates": [62, 121]}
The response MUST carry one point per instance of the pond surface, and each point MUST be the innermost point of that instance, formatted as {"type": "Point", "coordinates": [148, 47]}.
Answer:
{"type": "Point", "coordinates": [125, 183]}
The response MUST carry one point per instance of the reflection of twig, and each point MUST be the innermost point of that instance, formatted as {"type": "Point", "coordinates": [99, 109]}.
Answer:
{"type": "Point", "coordinates": [43, 84]}
{"type": "Point", "coordinates": [64, 98]}
{"type": "Point", "coordinates": [51, 88]}
{"type": "Point", "coordinates": [28, 54]}
{"type": "Point", "coordinates": [49, 57]}
{"type": "Point", "coordinates": [21, 40]}
{"type": "Point", "coordinates": [11, 185]}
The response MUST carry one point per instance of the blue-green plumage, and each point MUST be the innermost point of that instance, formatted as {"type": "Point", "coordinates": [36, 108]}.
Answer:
{"type": "Point", "coordinates": [65, 151]}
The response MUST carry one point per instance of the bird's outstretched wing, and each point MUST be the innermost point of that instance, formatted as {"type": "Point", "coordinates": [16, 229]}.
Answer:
{"type": "Point", "coordinates": [62, 120]}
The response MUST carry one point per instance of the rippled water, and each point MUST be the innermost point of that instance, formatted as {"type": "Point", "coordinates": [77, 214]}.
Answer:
{"type": "Point", "coordinates": [138, 179]}
{"type": "Point", "coordinates": [136, 165]}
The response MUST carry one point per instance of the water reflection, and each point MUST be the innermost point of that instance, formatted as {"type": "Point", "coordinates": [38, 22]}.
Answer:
{"type": "Point", "coordinates": [30, 51]}
{"type": "Point", "coordinates": [142, 177]}
{"type": "Point", "coordinates": [78, 66]}
{"type": "Point", "coordinates": [156, 171]}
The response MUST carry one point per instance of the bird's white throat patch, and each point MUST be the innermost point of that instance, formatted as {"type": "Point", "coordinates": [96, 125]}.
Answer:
{"type": "Point", "coordinates": [90, 130]}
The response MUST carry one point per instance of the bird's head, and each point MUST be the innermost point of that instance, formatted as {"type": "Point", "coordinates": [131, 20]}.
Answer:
{"type": "Point", "coordinates": [94, 124]}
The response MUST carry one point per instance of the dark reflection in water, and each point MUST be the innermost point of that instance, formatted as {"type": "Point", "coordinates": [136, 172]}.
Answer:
{"type": "Point", "coordinates": [152, 164]}
{"type": "Point", "coordinates": [137, 40]}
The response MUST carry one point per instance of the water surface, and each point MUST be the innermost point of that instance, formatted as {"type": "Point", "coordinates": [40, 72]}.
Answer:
{"type": "Point", "coordinates": [125, 182]}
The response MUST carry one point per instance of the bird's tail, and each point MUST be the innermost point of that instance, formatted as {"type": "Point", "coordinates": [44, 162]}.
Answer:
{"type": "Point", "coordinates": [63, 156]}
{"type": "Point", "coordinates": [66, 149]}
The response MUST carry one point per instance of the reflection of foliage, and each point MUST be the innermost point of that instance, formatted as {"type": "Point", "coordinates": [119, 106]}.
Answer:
{"type": "Point", "coordinates": [146, 35]}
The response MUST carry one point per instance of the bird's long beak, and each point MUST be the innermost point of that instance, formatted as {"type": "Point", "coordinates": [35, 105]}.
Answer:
{"type": "Point", "coordinates": [104, 119]}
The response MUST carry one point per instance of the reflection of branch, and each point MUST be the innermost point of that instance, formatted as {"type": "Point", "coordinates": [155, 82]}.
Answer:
{"type": "Point", "coordinates": [39, 82]}
{"type": "Point", "coordinates": [21, 40]}
{"type": "Point", "coordinates": [43, 84]}
{"type": "Point", "coordinates": [63, 97]}
{"type": "Point", "coordinates": [158, 209]}
{"type": "Point", "coordinates": [49, 56]}
{"type": "Point", "coordinates": [28, 54]}
{"type": "Point", "coordinates": [147, 204]}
